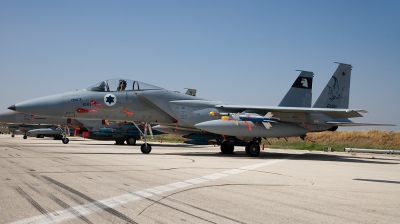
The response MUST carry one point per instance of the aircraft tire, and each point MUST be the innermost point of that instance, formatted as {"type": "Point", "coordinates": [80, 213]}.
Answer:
{"type": "Point", "coordinates": [131, 141]}
{"type": "Point", "coordinates": [12, 136]}
{"type": "Point", "coordinates": [253, 149]}
{"type": "Point", "coordinates": [25, 137]}
{"type": "Point", "coordinates": [231, 149]}
{"type": "Point", "coordinates": [119, 142]}
{"type": "Point", "coordinates": [144, 149]}
{"type": "Point", "coordinates": [65, 140]}
{"type": "Point", "coordinates": [227, 149]}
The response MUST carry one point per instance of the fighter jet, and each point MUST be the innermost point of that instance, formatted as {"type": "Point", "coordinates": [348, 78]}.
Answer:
{"type": "Point", "coordinates": [40, 126]}
{"type": "Point", "coordinates": [138, 102]}
{"type": "Point", "coordinates": [92, 129]}
{"type": "Point", "coordinates": [28, 122]}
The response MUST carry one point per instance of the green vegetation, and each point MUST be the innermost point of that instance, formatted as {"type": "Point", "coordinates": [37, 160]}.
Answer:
{"type": "Point", "coordinates": [4, 130]}
{"type": "Point", "coordinates": [372, 139]}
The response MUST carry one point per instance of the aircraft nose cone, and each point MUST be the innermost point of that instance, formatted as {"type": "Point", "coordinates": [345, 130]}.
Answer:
{"type": "Point", "coordinates": [51, 106]}
{"type": "Point", "coordinates": [11, 107]}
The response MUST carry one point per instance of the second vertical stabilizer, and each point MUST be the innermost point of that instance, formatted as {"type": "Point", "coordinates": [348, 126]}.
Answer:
{"type": "Point", "coordinates": [336, 93]}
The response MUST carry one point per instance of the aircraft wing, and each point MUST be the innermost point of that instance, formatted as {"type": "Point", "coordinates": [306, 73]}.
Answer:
{"type": "Point", "coordinates": [350, 124]}
{"type": "Point", "coordinates": [331, 112]}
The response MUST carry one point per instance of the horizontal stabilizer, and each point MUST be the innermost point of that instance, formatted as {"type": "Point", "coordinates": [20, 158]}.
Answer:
{"type": "Point", "coordinates": [350, 124]}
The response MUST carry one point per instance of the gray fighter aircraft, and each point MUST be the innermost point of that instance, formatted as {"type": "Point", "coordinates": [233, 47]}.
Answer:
{"type": "Point", "coordinates": [28, 122]}
{"type": "Point", "coordinates": [40, 126]}
{"type": "Point", "coordinates": [129, 100]}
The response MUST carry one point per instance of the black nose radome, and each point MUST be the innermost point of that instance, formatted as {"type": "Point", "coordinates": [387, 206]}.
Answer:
{"type": "Point", "coordinates": [11, 107]}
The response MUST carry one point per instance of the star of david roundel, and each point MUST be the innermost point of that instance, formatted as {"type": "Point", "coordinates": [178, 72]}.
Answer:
{"type": "Point", "coordinates": [110, 100]}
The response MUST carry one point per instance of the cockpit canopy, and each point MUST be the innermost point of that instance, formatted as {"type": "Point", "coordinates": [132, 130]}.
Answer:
{"type": "Point", "coordinates": [112, 85]}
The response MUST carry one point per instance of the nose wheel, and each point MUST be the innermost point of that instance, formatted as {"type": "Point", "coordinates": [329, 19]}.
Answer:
{"type": "Point", "coordinates": [64, 135]}
{"type": "Point", "coordinates": [65, 140]}
{"type": "Point", "coordinates": [145, 148]}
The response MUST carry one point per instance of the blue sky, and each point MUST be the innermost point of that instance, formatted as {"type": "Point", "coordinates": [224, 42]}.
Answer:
{"type": "Point", "coordinates": [241, 52]}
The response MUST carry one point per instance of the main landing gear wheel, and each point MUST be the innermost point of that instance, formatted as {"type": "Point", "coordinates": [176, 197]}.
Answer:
{"type": "Point", "coordinates": [25, 137]}
{"type": "Point", "coordinates": [253, 149]}
{"type": "Point", "coordinates": [12, 136]}
{"type": "Point", "coordinates": [131, 141]}
{"type": "Point", "coordinates": [65, 140]}
{"type": "Point", "coordinates": [226, 148]}
{"type": "Point", "coordinates": [145, 148]}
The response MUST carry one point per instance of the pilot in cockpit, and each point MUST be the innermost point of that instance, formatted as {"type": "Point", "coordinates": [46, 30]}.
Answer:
{"type": "Point", "coordinates": [121, 85]}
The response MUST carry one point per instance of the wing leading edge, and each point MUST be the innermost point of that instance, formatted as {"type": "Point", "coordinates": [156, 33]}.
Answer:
{"type": "Point", "coordinates": [331, 112]}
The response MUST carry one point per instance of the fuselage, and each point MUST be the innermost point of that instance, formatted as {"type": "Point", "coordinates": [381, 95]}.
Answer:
{"type": "Point", "coordinates": [159, 106]}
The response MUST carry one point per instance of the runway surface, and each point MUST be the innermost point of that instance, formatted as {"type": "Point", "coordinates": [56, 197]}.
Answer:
{"type": "Point", "coordinates": [87, 181]}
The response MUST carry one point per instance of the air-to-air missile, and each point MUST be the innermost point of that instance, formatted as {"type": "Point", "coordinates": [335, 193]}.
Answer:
{"type": "Point", "coordinates": [266, 120]}
{"type": "Point", "coordinates": [250, 125]}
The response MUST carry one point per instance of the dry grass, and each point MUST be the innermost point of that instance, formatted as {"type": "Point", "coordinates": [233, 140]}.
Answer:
{"type": "Point", "coordinates": [371, 137]}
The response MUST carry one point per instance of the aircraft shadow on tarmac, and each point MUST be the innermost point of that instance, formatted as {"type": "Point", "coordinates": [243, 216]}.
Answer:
{"type": "Point", "coordinates": [379, 181]}
{"type": "Point", "coordinates": [178, 145]}
{"type": "Point", "coordinates": [242, 155]}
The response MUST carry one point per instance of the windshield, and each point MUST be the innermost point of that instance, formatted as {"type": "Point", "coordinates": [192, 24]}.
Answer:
{"type": "Point", "coordinates": [112, 85]}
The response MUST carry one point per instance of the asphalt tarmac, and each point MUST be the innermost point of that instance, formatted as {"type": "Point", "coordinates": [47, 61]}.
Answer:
{"type": "Point", "coordinates": [87, 181]}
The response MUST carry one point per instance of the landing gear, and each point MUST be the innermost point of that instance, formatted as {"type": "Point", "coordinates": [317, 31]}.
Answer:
{"type": "Point", "coordinates": [12, 135]}
{"type": "Point", "coordinates": [253, 149]}
{"type": "Point", "coordinates": [39, 136]}
{"type": "Point", "coordinates": [64, 135]}
{"type": "Point", "coordinates": [119, 142]}
{"type": "Point", "coordinates": [65, 140]}
{"type": "Point", "coordinates": [145, 148]}
{"type": "Point", "coordinates": [25, 137]}
{"type": "Point", "coordinates": [226, 148]}
{"type": "Point", "coordinates": [131, 141]}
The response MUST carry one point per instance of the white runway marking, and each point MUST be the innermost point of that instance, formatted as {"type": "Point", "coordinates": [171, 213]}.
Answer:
{"type": "Point", "coordinates": [89, 208]}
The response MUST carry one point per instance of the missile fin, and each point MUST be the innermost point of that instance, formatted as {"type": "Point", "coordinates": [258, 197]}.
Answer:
{"type": "Point", "coordinates": [267, 125]}
{"type": "Point", "coordinates": [269, 115]}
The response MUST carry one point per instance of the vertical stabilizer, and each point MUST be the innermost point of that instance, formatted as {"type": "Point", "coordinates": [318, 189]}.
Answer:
{"type": "Point", "coordinates": [336, 93]}
{"type": "Point", "coordinates": [299, 95]}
